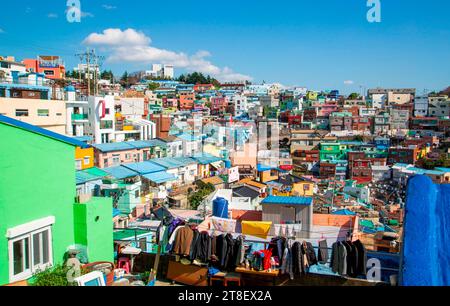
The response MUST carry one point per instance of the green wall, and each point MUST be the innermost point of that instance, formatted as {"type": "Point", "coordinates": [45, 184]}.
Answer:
{"type": "Point", "coordinates": [37, 179]}
{"type": "Point", "coordinates": [93, 228]}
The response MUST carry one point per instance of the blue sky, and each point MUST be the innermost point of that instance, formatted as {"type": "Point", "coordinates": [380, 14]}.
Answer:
{"type": "Point", "coordinates": [320, 44]}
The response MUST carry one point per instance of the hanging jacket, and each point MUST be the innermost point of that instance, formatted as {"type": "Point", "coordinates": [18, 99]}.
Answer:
{"type": "Point", "coordinates": [323, 252]}
{"type": "Point", "coordinates": [228, 263]}
{"type": "Point", "coordinates": [362, 257]}
{"type": "Point", "coordinates": [349, 257]}
{"type": "Point", "coordinates": [339, 258]}
{"type": "Point", "coordinates": [353, 272]}
{"type": "Point", "coordinates": [183, 241]}
{"type": "Point", "coordinates": [308, 250]}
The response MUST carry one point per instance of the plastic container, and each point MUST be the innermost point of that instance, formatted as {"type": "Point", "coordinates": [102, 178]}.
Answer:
{"type": "Point", "coordinates": [220, 208]}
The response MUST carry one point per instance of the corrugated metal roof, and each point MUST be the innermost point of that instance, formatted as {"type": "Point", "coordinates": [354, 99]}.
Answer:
{"type": "Point", "coordinates": [206, 158]}
{"type": "Point", "coordinates": [38, 130]}
{"type": "Point", "coordinates": [115, 146]}
{"type": "Point", "coordinates": [160, 177]}
{"type": "Point", "coordinates": [144, 167]}
{"type": "Point", "coordinates": [287, 200]}
{"type": "Point", "coordinates": [173, 162]}
{"type": "Point", "coordinates": [91, 174]}
{"type": "Point", "coordinates": [120, 172]}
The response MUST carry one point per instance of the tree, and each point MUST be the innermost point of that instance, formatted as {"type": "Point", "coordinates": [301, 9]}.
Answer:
{"type": "Point", "coordinates": [353, 96]}
{"type": "Point", "coordinates": [198, 78]}
{"type": "Point", "coordinates": [107, 75]}
{"type": "Point", "coordinates": [153, 86]}
{"type": "Point", "coordinates": [124, 80]}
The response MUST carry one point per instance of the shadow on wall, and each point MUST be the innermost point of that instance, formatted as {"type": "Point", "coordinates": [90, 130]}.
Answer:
{"type": "Point", "coordinates": [425, 258]}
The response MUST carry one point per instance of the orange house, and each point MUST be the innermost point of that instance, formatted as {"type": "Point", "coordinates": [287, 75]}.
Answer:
{"type": "Point", "coordinates": [187, 101]}
{"type": "Point", "coordinates": [51, 66]}
{"type": "Point", "coordinates": [84, 158]}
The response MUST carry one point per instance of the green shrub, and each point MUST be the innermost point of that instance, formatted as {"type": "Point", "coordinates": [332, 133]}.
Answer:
{"type": "Point", "coordinates": [54, 276]}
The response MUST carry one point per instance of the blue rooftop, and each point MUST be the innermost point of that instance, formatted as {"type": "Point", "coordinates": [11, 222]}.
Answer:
{"type": "Point", "coordinates": [91, 174]}
{"type": "Point", "coordinates": [38, 130]}
{"type": "Point", "coordinates": [115, 146]}
{"type": "Point", "coordinates": [305, 201]}
{"type": "Point", "coordinates": [160, 177]}
{"type": "Point", "coordinates": [344, 212]}
{"type": "Point", "coordinates": [120, 172]}
{"type": "Point", "coordinates": [173, 162]}
{"type": "Point", "coordinates": [144, 167]}
{"type": "Point", "coordinates": [206, 158]}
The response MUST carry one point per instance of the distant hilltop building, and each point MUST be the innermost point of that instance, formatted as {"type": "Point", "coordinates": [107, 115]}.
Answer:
{"type": "Point", "coordinates": [161, 71]}
{"type": "Point", "coordinates": [52, 66]}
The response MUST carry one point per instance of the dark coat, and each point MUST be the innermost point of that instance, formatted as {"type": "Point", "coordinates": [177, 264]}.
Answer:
{"type": "Point", "coordinates": [323, 252]}
{"type": "Point", "coordinates": [362, 257]}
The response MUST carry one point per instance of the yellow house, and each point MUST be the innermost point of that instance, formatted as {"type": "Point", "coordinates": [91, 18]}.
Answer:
{"type": "Point", "coordinates": [312, 96]}
{"type": "Point", "coordinates": [291, 185]}
{"type": "Point", "coordinates": [84, 158]}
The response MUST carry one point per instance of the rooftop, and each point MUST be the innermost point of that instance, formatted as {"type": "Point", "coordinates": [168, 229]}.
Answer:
{"type": "Point", "coordinates": [43, 132]}
{"type": "Point", "coordinates": [305, 201]}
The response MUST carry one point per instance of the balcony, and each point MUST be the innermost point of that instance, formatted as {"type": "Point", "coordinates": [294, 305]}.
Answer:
{"type": "Point", "coordinates": [79, 117]}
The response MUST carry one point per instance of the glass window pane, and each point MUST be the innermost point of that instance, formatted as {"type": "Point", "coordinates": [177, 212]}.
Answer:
{"type": "Point", "coordinates": [18, 256]}
{"type": "Point", "coordinates": [27, 253]}
{"type": "Point", "coordinates": [45, 246]}
{"type": "Point", "coordinates": [36, 249]}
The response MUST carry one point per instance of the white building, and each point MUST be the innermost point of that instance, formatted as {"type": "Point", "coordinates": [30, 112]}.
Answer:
{"type": "Point", "coordinates": [240, 104]}
{"type": "Point", "coordinates": [9, 66]}
{"type": "Point", "coordinates": [379, 100]}
{"type": "Point", "coordinates": [77, 114]}
{"type": "Point", "coordinates": [101, 117]}
{"type": "Point", "coordinates": [439, 106]}
{"type": "Point", "coordinates": [161, 71]}
{"type": "Point", "coordinates": [132, 108]}
{"type": "Point", "coordinates": [421, 106]}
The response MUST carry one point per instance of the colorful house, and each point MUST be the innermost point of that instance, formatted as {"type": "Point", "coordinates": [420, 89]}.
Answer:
{"type": "Point", "coordinates": [34, 239]}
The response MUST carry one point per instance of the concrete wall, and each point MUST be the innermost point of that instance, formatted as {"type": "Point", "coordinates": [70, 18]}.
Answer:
{"type": "Point", "coordinates": [55, 121]}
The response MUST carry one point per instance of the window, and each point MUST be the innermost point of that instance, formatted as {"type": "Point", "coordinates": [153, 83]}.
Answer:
{"type": "Point", "coordinates": [87, 160]}
{"type": "Point", "coordinates": [127, 156]}
{"type": "Point", "coordinates": [107, 111]}
{"type": "Point", "coordinates": [136, 194]}
{"type": "Point", "coordinates": [58, 114]}
{"type": "Point", "coordinates": [49, 72]}
{"type": "Point", "coordinates": [116, 159]}
{"type": "Point", "coordinates": [21, 112]}
{"type": "Point", "coordinates": [43, 112]}
{"type": "Point", "coordinates": [78, 164]}
{"type": "Point", "coordinates": [29, 253]}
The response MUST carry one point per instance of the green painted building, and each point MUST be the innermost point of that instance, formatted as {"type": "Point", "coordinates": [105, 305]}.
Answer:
{"type": "Point", "coordinates": [41, 217]}
{"type": "Point", "coordinates": [333, 151]}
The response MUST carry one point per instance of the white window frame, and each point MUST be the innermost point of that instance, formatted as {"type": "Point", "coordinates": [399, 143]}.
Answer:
{"type": "Point", "coordinates": [22, 232]}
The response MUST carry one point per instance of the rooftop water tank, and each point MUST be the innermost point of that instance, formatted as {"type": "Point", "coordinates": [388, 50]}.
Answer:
{"type": "Point", "coordinates": [220, 208]}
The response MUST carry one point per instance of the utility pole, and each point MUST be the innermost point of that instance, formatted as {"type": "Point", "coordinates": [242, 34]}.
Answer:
{"type": "Point", "coordinates": [91, 58]}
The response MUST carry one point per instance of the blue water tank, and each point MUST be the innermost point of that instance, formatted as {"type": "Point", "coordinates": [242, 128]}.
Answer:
{"type": "Point", "coordinates": [220, 208]}
{"type": "Point", "coordinates": [228, 164]}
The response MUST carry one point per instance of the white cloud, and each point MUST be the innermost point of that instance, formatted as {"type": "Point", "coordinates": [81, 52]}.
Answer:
{"type": "Point", "coordinates": [349, 82]}
{"type": "Point", "coordinates": [86, 14]}
{"type": "Point", "coordinates": [109, 7]}
{"type": "Point", "coordinates": [117, 37]}
{"type": "Point", "coordinates": [52, 15]}
{"type": "Point", "coordinates": [134, 46]}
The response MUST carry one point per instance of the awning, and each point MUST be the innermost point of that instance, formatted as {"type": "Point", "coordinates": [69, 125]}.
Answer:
{"type": "Point", "coordinates": [256, 228]}
{"type": "Point", "coordinates": [160, 177]}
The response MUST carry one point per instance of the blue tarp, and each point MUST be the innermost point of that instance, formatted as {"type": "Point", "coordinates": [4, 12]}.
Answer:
{"type": "Point", "coordinates": [344, 212]}
{"type": "Point", "coordinates": [426, 242]}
